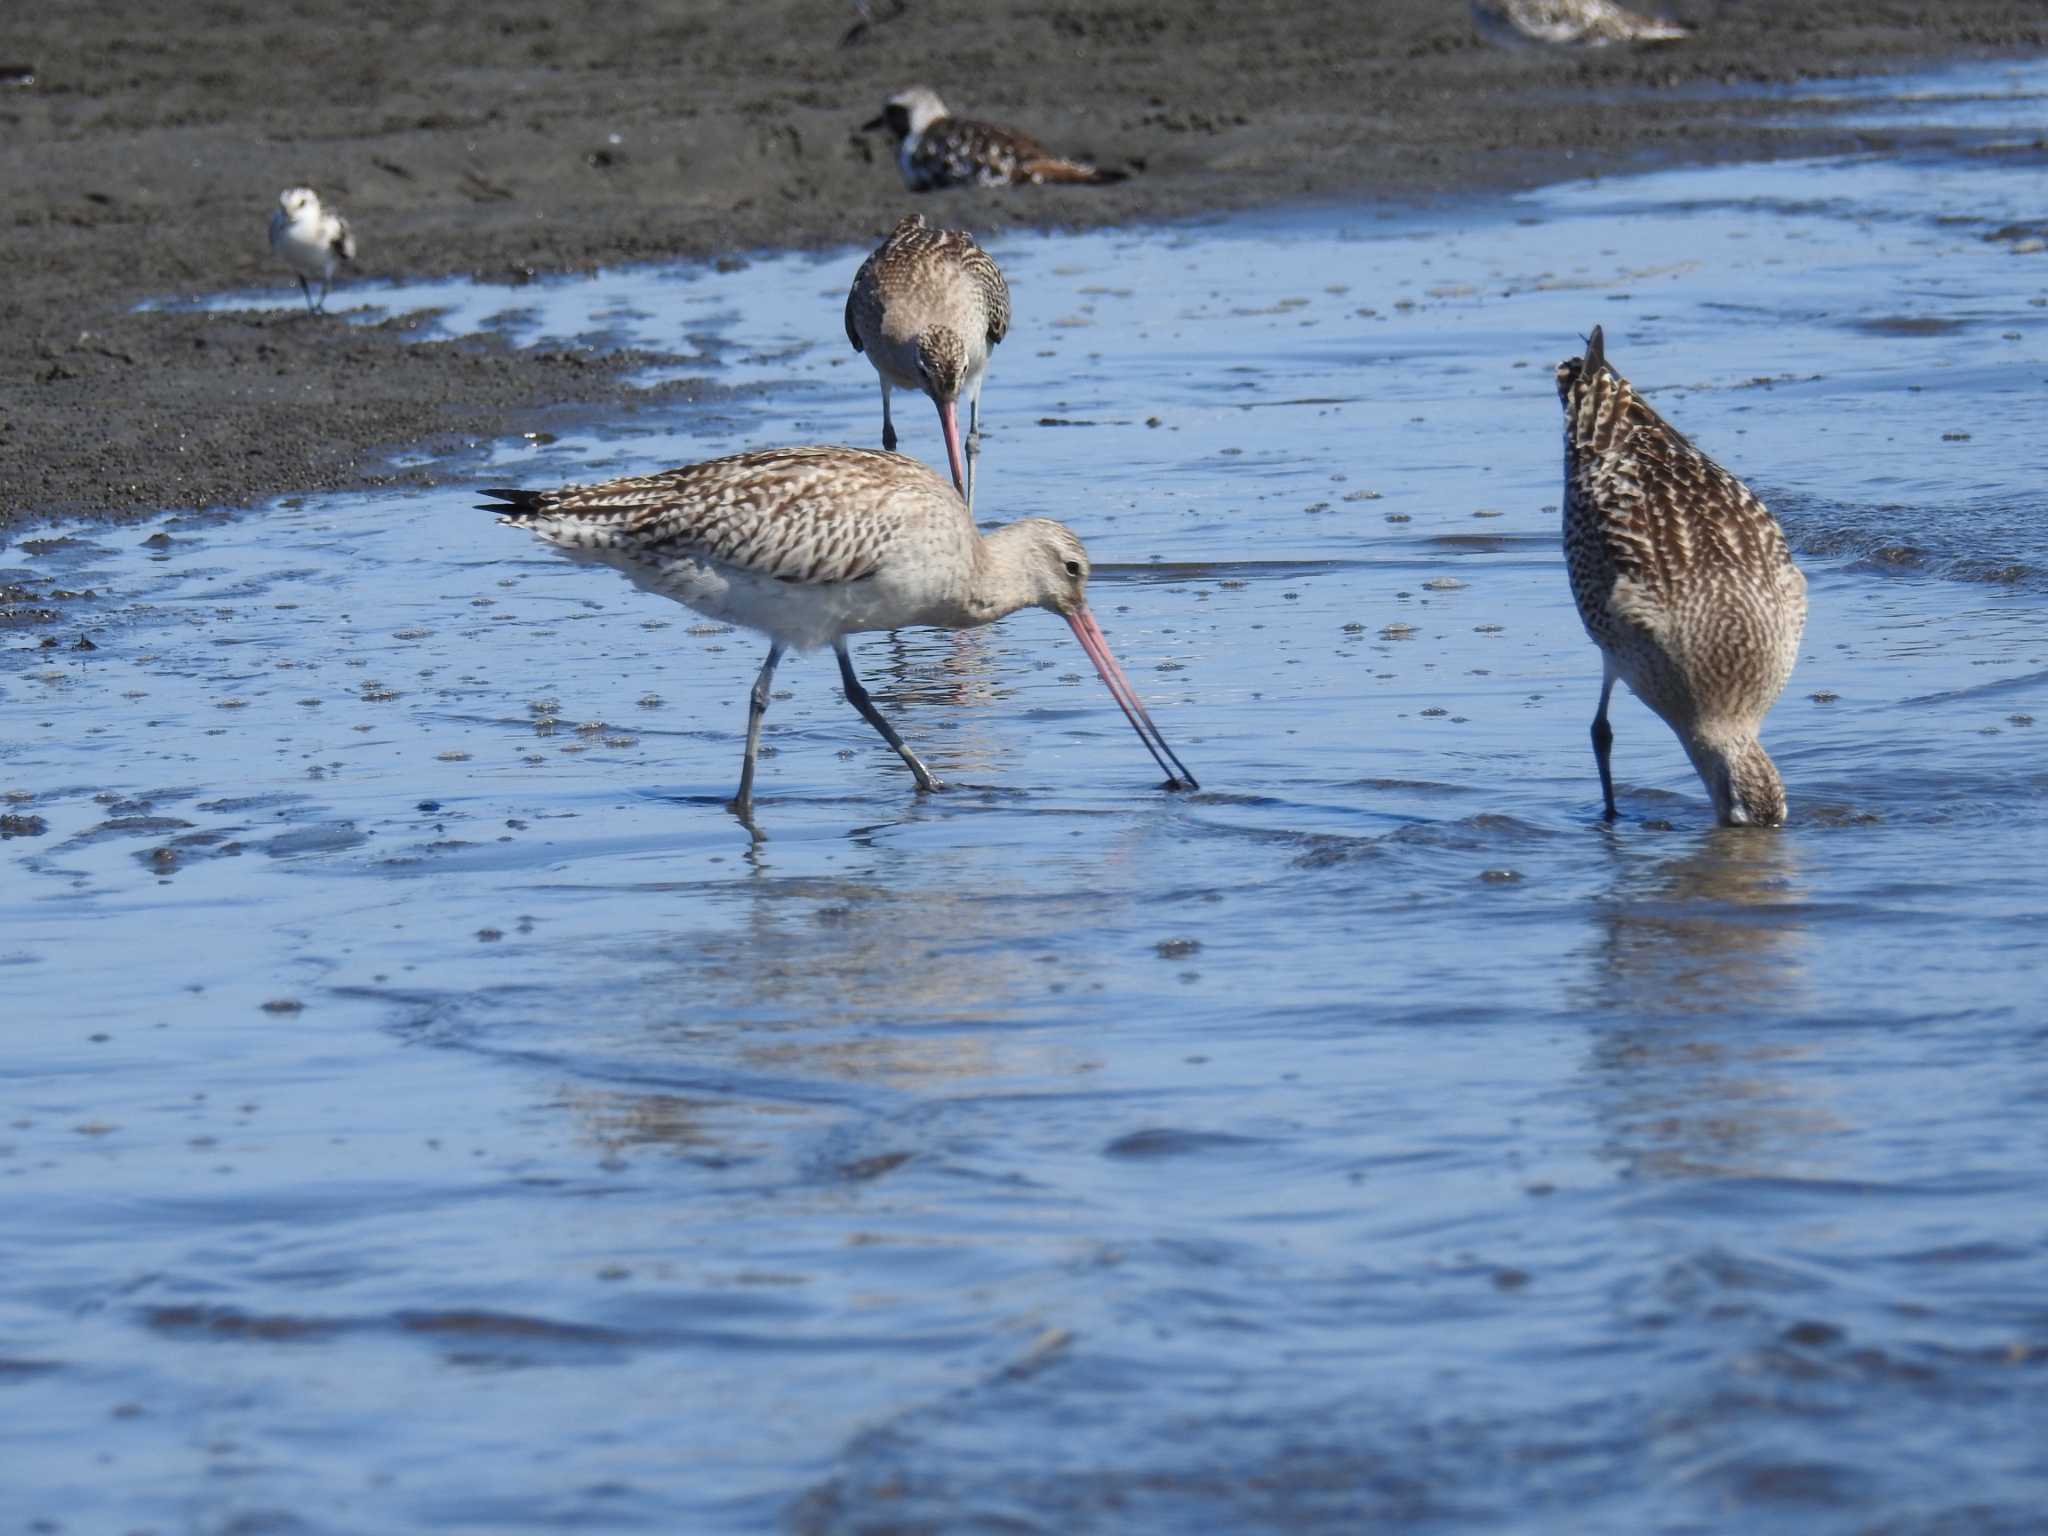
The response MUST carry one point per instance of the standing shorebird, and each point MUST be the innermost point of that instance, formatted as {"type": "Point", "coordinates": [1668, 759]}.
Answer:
{"type": "Point", "coordinates": [927, 308]}
{"type": "Point", "coordinates": [936, 150]}
{"type": "Point", "coordinates": [1570, 23]}
{"type": "Point", "coordinates": [810, 545]}
{"type": "Point", "coordinates": [1683, 580]}
{"type": "Point", "coordinates": [310, 239]}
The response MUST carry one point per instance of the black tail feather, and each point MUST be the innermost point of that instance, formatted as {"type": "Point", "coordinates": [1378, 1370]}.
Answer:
{"type": "Point", "coordinates": [1596, 355]}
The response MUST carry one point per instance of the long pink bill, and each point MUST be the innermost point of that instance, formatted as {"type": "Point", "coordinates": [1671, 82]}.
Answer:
{"type": "Point", "coordinates": [949, 423]}
{"type": "Point", "coordinates": [1089, 633]}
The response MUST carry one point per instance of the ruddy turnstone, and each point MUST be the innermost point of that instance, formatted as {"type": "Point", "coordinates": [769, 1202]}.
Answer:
{"type": "Point", "coordinates": [935, 150]}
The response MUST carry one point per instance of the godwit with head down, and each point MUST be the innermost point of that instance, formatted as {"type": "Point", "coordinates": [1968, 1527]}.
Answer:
{"type": "Point", "coordinates": [1570, 23]}
{"type": "Point", "coordinates": [810, 545]}
{"type": "Point", "coordinates": [310, 239]}
{"type": "Point", "coordinates": [935, 149]}
{"type": "Point", "coordinates": [927, 307]}
{"type": "Point", "coordinates": [1683, 580]}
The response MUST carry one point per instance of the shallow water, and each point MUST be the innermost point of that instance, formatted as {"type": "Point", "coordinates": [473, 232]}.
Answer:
{"type": "Point", "coordinates": [428, 1111]}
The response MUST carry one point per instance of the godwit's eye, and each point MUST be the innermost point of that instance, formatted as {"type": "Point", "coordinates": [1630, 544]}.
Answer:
{"type": "Point", "coordinates": [1073, 567]}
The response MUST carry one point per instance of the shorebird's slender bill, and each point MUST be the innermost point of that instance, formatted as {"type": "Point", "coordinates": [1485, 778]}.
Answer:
{"type": "Point", "coordinates": [1089, 633]}
{"type": "Point", "coordinates": [949, 423]}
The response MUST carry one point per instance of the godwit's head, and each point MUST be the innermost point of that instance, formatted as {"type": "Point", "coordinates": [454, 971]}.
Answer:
{"type": "Point", "coordinates": [942, 369]}
{"type": "Point", "coordinates": [942, 362]}
{"type": "Point", "coordinates": [1742, 781]}
{"type": "Point", "coordinates": [1042, 563]}
{"type": "Point", "coordinates": [909, 112]}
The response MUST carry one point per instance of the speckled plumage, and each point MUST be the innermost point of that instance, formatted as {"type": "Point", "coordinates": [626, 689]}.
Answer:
{"type": "Point", "coordinates": [871, 540]}
{"type": "Point", "coordinates": [927, 307]}
{"type": "Point", "coordinates": [1570, 23]}
{"type": "Point", "coordinates": [310, 239]}
{"type": "Point", "coordinates": [810, 545]}
{"type": "Point", "coordinates": [1683, 579]}
{"type": "Point", "coordinates": [935, 149]}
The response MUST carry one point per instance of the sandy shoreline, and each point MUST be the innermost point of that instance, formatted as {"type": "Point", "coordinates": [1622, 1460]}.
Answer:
{"type": "Point", "coordinates": [554, 137]}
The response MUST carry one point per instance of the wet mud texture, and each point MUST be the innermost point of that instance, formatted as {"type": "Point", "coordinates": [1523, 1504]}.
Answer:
{"type": "Point", "coordinates": [542, 136]}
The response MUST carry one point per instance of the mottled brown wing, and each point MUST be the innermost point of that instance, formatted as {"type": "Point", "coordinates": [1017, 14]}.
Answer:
{"type": "Point", "coordinates": [995, 292]}
{"type": "Point", "coordinates": [992, 144]}
{"type": "Point", "coordinates": [1666, 509]}
{"type": "Point", "coordinates": [800, 515]}
{"type": "Point", "coordinates": [957, 150]}
{"type": "Point", "coordinates": [1650, 521]}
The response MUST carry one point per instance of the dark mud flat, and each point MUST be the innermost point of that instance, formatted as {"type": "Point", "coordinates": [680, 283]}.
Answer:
{"type": "Point", "coordinates": [541, 137]}
{"type": "Point", "coordinates": [196, 410]}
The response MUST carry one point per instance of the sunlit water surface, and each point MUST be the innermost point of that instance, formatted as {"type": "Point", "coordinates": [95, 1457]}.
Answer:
{"type": "Point", "coordinates": [425, 1109]}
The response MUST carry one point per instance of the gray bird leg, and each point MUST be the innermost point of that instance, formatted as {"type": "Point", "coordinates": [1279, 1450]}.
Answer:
{"type": "Point", "coordinates": [973, 439]}
{"type": "Point", "coordinates": [307, 289]}
{"type": "Point", "coordinates": [888, 426]}
{"type": "Point", "coordinates": [742, 804]}
{"type": "Point", "coordinates": [857, 696]}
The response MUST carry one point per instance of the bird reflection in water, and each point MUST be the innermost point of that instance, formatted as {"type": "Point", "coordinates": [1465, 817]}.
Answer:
{"type": "Point", "coordinates": [711, 1130]}
{"type": "Point", "coordinates": [1696, 973]}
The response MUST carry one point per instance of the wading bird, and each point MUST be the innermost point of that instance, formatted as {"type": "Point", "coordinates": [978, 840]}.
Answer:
{"type": "Point", "coordinates": [927, 308]}
{"type": "Point", "coordinates": [810, 545]}
{"type": "Point", "coordinates": [1683, 580]}
{"type": "Point", "coordinates": [935, 150]}
{"type": "Point", "coordinates": [310, 239]}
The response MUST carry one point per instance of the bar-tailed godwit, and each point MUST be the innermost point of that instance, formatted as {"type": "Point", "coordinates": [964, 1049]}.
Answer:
{"type": "Point", "coordinates": [927, 307]}
{"type": "Point", "coordinates": [935, 149]}
{"type": "Point", "coordinates": [1683, 580]}
{"type": "Point", "coordinates": [810, 545]}
{"type": "Point", "coordinates": [1570, 23]}
{"type": "Point", "coordinates": [310, 239]}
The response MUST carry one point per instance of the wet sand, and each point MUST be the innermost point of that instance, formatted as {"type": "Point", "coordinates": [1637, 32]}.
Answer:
{"type": "Point", "coordinates": [558, 136]}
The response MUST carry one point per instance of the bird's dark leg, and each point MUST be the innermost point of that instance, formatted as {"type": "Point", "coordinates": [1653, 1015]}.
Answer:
{"type": "Point", "coordinates": [1603, 744]}
{"type": "Point", "coordinates": [973, 439]}
{"type": "Point", "coordinates": [742, 804]}
{"type": "Point", "coordinates": [888, 426]}
{"type": "Point", "coordinates": [307, 289]}
{"type": "Point", "coordinates": [857, 696]}
{"type": "Point", "coordinates": [325, 284]}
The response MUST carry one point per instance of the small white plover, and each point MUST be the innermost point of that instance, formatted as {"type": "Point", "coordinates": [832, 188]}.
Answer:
{"type": "Point", "coordinates": [1683, 580]}
{"type": "Point", "coordinates": [936, 150]}
{"type": "Point", "coordinates": [310, 239]}
{"type": "Point", "coordinates": [927, 307]}
{"type": "Point", "coordinates": [810, 545]}
{"type": "Point", "coordinates": [1570, 23]}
